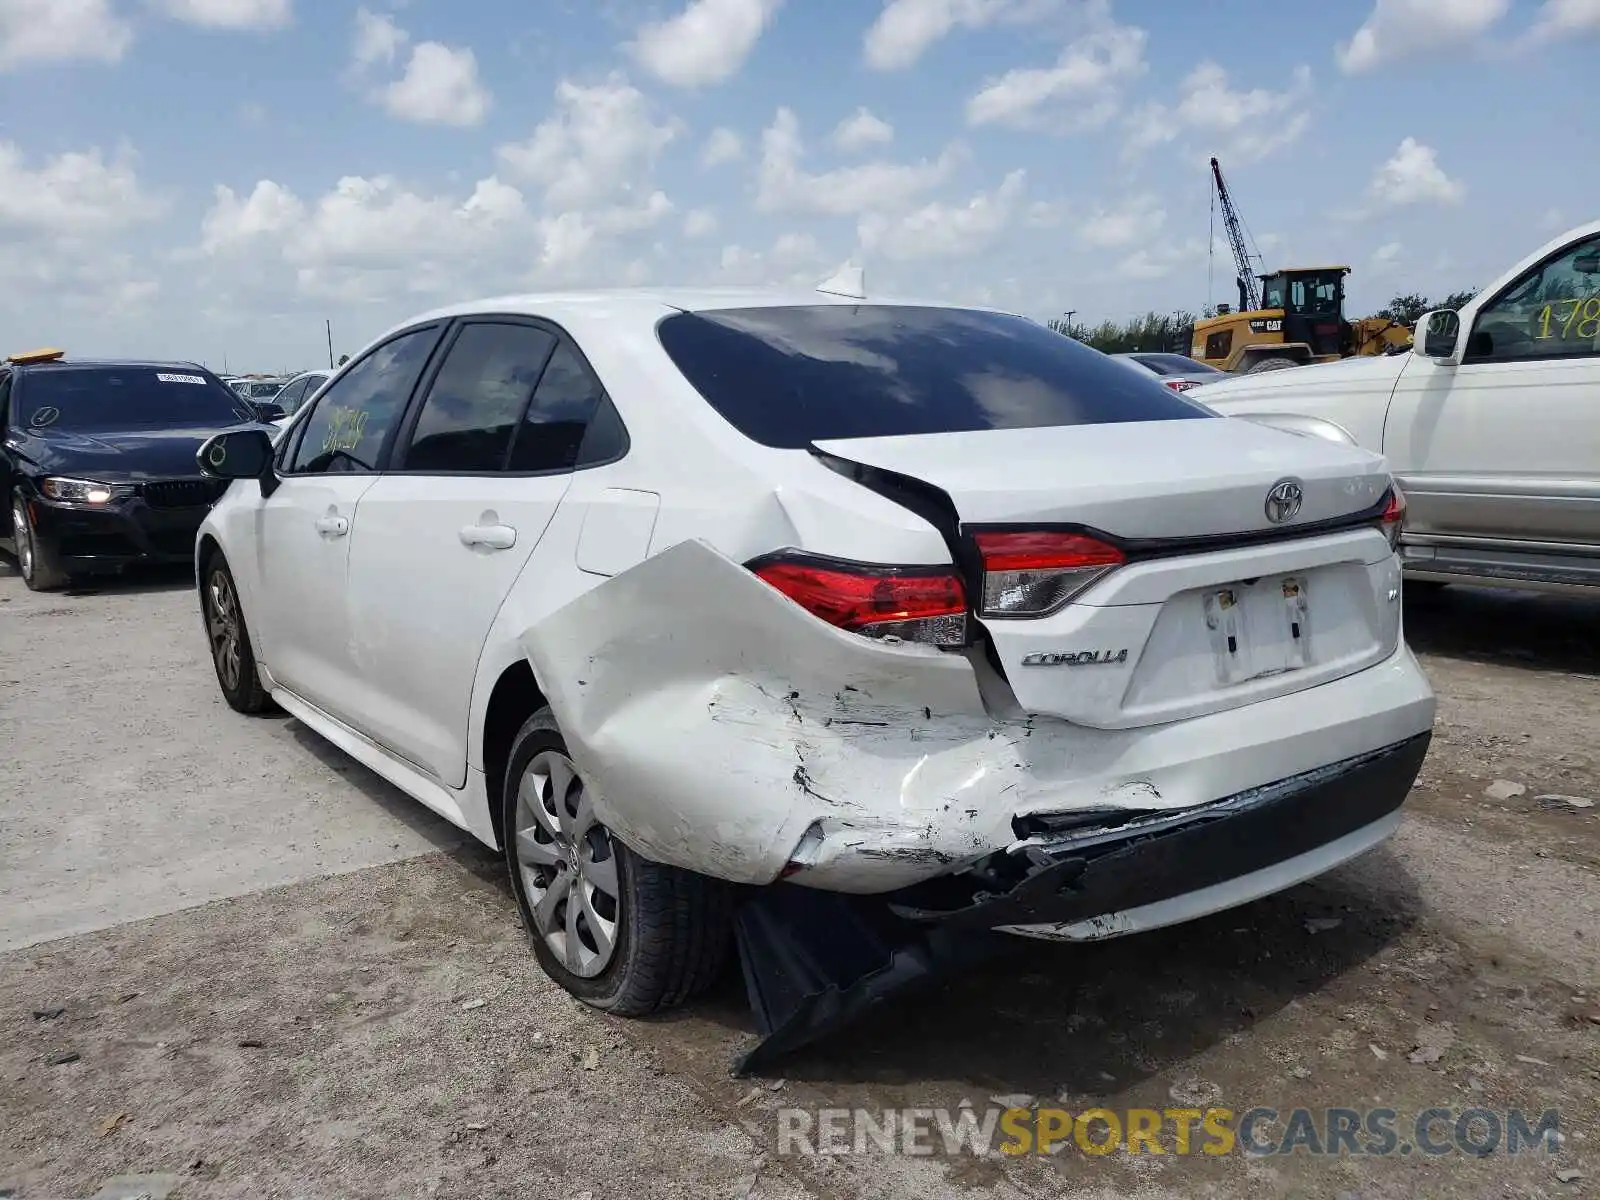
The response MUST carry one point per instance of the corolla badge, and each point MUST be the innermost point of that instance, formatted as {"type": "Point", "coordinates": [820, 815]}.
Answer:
{"type": "Point", "coordinates": [1075, 658]}
{"type": "Point", "coordinates": [1284, 501]}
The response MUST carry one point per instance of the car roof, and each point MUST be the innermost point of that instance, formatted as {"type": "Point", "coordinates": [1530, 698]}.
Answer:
{"type": "Point", "coordinates": [62, 364]}
{"type": "Point", "coordinates": [644, 303]}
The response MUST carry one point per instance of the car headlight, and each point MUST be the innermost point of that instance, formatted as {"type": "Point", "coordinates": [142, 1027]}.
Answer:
{"type": "Point", "coordinates": [81, 491]}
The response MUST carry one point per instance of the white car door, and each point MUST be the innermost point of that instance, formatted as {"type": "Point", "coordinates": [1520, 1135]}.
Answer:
{"type": "Point", "coordinates": [1502, 441]}
{"type": "Point", "coordinates": [329, 463]}
{"type": "Point", "coordinates": [484, 461]}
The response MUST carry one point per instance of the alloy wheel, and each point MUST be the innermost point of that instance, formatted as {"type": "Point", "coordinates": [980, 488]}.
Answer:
{"type": "Point", "coordinates": [225, 628]}
{"type": "Point", "coordinates": [568, 866]}
{"type": "Point", "coordinates": [23, 537]}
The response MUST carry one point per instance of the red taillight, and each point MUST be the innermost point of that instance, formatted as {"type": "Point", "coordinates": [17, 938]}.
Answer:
{"type": "Point", "coordinates": [1180, 385]}
{"type": "Point", "coordinates": [913, 603]}
{"type": "Point", "coordinates": [1032, 573]}
{"type": "Point", "coordinates": [1394, 515]}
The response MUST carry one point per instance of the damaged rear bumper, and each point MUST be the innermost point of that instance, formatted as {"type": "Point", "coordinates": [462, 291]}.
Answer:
{"type": "Point", "coordinates": [1164, 868]}
{"type": "Point", "coordinates": [723, 729]}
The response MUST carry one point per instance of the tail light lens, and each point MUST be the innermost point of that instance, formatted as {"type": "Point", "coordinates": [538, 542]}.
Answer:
{"type": "Point", "coordinates": [1394, 515]}
{"type": "Point", "coordinates": [915, 604]}
{"type": "Point", "coordinates": [1180, 385]}
{"type": "Point", "coordinates": [1034, 573]}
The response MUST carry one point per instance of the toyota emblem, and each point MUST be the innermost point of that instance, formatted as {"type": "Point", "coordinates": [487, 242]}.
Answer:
{"type": "Point", "coordinates": [1283, 501]}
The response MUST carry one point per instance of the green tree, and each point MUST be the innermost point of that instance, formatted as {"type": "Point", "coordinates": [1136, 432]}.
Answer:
{"type": "Point", "coordinates": [1456, 300]}
{"type": "Point", "coordinates": [1157, 332]}
{"type": "Point", "coordinates": [1405, 309]}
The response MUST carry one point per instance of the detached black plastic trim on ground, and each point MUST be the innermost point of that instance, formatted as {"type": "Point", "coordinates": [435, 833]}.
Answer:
{"type": "Point", "coordinates": [816, 961]}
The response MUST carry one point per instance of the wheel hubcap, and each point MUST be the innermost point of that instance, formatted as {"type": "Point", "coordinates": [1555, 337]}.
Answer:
{"type": "Point", "coordinates": [222, 622]}
{"type": "Point", "coordinates": [568, 866]}
{"type": "Point", "coordinates": [23, 536]}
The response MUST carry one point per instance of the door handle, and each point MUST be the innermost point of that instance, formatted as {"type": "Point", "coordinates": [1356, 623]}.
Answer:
{"type": "Point", "coordinates": [491, 537]}
{"type": "Point", "coordinates": [333, 526]}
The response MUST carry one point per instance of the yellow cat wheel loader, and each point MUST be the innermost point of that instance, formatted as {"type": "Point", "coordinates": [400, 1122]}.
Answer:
{"type": "Point", "coordinates": [1286, 319]}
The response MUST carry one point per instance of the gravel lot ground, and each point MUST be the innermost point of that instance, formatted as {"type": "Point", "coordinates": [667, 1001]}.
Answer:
{"type": "Point", "coordinates": [268, 965]}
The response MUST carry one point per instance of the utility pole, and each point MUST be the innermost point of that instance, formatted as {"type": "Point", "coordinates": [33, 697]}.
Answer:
{"type": "Point", "coordinates": [1068, 315]}
{"type": "Point", "coordinates": [329, 325]}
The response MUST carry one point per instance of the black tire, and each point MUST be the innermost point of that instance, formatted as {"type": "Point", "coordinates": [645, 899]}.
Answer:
{"type": "Point", "coordinates": [36, 559]}
{"type": "Point", "coordinates": [231, 653]}
{"type": "Point", "coordinates": [1275, 363]}
{"type": "Point", "coordinates": [673, 928]}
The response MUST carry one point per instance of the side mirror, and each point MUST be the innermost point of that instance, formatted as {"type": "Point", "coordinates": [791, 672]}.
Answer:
{"type": "Point", "coordinates": [237, 454]}
{"type": "Point", "coordinates": [1440, 330]}
{"type": "Point", "coordinates": [268, 411]}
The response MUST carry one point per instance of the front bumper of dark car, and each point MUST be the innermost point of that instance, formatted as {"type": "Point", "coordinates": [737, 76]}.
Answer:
{"type": "Point", "coordinates": [156, 523]}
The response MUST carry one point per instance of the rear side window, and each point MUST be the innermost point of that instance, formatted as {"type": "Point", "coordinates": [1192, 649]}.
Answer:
{"type": "Point", "coordinates": [786, 377]}
{"type": "Point", "coordinates": [567, 399]}
{"type": "Point", "coordinates": [478, 398]}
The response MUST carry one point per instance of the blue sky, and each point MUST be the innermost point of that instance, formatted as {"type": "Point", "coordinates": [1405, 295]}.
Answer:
{"type": "Point", "coordinates": [214, 178]}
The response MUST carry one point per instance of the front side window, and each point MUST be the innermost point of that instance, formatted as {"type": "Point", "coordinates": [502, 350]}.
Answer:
{"type": "Point", "coordinates": [1553, 311]}
{"type": "Point", "coordinates": [353, 417]}
{"type": "Point", "coordinates": [111, 399]}
{"type": "Point", "coordinates": [478, 397]}
{"type": "Point", "coordinates": [788, 376]}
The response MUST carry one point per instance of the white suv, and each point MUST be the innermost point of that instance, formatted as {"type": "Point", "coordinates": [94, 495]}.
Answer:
{"type": "Point", "coordinates": [668, 593]}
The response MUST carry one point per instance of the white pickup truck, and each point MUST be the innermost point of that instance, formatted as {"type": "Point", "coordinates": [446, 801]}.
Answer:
{"type": "Point", "coordinates": [1491, 424]}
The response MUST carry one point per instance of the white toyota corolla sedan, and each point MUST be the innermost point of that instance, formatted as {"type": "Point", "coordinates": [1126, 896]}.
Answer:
{"type": "Point", "coordinates": [684, 597]}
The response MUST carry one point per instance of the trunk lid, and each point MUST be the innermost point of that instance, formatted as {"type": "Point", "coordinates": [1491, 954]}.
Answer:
{"type": "Point", "coordinates": [1140, 480]}
{"type": "Point", "coordinates": [1217, 604]}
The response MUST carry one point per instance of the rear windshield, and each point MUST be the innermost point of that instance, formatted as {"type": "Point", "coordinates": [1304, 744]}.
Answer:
{"type": "Point", "coordinates": [113, 398]}
{"type": "Point", "coordinates": [1174, 364]}
{"type": "Point", "coordinates": [786, 377]}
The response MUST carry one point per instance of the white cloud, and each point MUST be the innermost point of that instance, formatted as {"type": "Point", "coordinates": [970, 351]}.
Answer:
{"type": "Point", "coordinates": [794, 259]}
{"type": "Point", "coordinates": [1564, 18]}
{"type": "Point", "coordinates": [905, 29]}
{"type": "Point", "coordinates": [75, 194]}
{"type": "Point", "coordinates": [377, 39]}
{"type": "Point", "coordinates": [1082, 90]}
{"type": "Point", "coordinates": [602, 138]}
{"type": "Point", "coordinates": [783, 185]}
{"type": "Point", "coordinates": [861, 130]}
{"type": "Point", "coordinates": [231, 14]}
{"type": "Point", "coordinates": [1137, 219]}
{"type": "Point", "coordinates": [944, 230]}
{"type": "Point", "coordinates": [1160, 260]}
{"type": "Point", "coordinates": [269, 211]}
{"type": "Point", "coordinates": [1397, 29]}
{"type": "Point", "coordinates": [1413, 176]}
{"type": "Point", "coordinates": [705, 43]}
{"type": "Point", "coordinates": [699, 222]}
{"type": "Point", "coordinates": [440, 87]}
{"type": "Point", "coordinates": [1386, 254]}
{"type": "Point", "coordinates": [723, 146]}
{"type": "Point", "coordinates": [38, 31]}
{"type": "Point", "coordinates": [1249, 125]}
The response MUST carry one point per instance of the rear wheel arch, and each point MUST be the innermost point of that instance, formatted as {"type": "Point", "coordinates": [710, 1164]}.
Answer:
{"type": "Point", "coordinates": [515, 697]}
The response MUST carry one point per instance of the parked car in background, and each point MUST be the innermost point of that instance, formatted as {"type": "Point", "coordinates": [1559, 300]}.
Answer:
{"type": "Point", "coordinates": [300, 388]}
{"type": "Point", "coordinates": [97, 461]}
{"type": "Point", "coordinates": [665, 593]}
{"type": "Point", "coordinates": [1489, 424]}
{"type": "Point", "coordinates": [1177, 371]}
